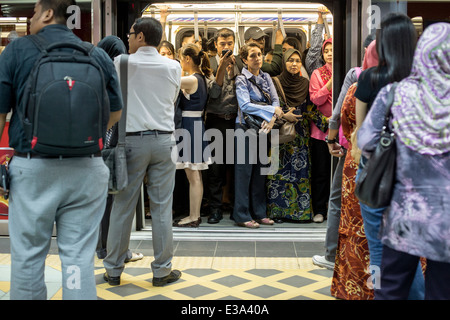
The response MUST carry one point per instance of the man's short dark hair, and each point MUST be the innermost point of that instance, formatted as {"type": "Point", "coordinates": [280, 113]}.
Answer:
{"type": "Point", "coordinates": [151, 28]}
{"type": "Point", "coordinates": [59, 8]}
{"type": "Point", "coordinates": [224, 33]}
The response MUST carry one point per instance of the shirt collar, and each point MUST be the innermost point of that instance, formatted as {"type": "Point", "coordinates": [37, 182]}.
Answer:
{"type": "Point", "coordinates": [248, 74]}
{"type": "Point", "coordinates": [147, 50]}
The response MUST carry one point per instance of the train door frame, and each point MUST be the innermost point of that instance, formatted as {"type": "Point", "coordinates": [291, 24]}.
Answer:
{"type": "Point", "coordinates": [342, 35]}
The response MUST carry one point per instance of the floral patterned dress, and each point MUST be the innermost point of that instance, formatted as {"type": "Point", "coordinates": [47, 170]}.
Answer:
{"type": "Point", "coordinates": [289, 190]}
{"type": "Point", "coordinates": [351, 275]}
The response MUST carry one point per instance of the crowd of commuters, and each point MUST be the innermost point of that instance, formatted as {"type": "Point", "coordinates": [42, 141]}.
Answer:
{"type": "Point", "coordinates": [209, 87]}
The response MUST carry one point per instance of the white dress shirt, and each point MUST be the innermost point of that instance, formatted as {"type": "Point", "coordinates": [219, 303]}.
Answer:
{"type": "Point", "coordinates": [153, 87]}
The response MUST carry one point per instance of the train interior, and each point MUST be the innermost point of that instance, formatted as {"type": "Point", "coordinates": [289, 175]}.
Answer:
{"type": "Point", "coordinates": [346, 21]}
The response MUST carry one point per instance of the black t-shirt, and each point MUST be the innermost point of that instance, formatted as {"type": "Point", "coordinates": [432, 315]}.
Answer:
{"type": "Point", "coordinates": [366, 91]}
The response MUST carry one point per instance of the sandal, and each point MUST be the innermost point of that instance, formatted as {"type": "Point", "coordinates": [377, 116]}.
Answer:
{"type": "Point", "coordinates": [266, 221]}
{"type": "Point", "coordinates": [249, 224]}
{"type": "Point", "coordinates": [192, 224]}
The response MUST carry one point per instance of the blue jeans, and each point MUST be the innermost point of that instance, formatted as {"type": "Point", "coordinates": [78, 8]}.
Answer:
{"type": "Point", "coordinates": [372, 218]}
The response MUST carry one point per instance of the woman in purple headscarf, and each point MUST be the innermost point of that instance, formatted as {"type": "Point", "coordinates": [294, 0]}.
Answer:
{"type": "Point", "coordinates": [417, 222]}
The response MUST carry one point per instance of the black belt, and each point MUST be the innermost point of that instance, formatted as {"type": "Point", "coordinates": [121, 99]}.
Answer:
{"type": "Point", "coordinates": [226, 116]}
{"type": "Point", "coordinates": [38, 156]}
{"type": "Point", "coordinates": [144, 133]}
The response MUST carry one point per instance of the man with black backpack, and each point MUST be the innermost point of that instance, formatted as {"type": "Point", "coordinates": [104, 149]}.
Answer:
{"type": "Point", "coordinates": [63, 94]}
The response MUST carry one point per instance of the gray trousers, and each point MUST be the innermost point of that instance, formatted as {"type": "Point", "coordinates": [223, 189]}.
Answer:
{"type": "Point", "coordinates": [146, 155]}
{"type": "Point", "coordinates": [334, 212]}
{"type": "Point", "coordinates": [70, 194]}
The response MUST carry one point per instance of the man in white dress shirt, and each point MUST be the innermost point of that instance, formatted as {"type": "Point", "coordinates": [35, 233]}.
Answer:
{"type": "Point", "coordinates": [153, 86]}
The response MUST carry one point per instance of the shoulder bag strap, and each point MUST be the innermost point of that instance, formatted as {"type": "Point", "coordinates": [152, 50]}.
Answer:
{"type": "Point", "coordinates": [389, 102]}
{"type": "Point", "coordinates": [38, 41]}
{"type": "Point", "coordinates": [280, 88]}
{"type": "Point", "coordinates": [265, 94]}
{"type": "Point", "coordinates": [122, 127]}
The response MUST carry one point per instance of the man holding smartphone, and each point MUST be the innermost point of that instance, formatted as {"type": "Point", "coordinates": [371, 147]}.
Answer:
{"type": "Point", "coordinates": [221, 115]}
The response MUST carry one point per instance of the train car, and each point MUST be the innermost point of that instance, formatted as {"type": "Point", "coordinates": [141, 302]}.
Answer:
{"type": "Point", "coordinates": [347, 21]}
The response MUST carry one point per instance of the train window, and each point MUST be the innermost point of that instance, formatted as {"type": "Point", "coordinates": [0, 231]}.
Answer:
{"type": "Point", "coordinates": [200, 21]}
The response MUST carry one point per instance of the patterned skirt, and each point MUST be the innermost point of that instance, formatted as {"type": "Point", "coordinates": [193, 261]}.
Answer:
{"type": "Point", "coordinates": [351, 278]}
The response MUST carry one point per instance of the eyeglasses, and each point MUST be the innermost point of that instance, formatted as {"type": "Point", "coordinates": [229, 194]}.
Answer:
{"type": "Point", "coordinates": [297, 61]}
{"type": "Point", "coordinates": [130, 33]}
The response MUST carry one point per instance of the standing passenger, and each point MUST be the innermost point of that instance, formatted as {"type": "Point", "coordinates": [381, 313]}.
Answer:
{"type": "Point", "coordinates": [314, 55]}
{"type": "Point", "coordinates": [196, 156]}
{"type": "Point", "coordinates": [150, 124]}
{"type": "Point", "coordinates": [339, 150]}
{"type": "Point", "coordinates": [350, 277]}
{"type": "Point", "coordinates": [417, 222]}
{"type": "Point", "coordinates": [166, 49]}
{"type": "Point", "coordinates": [250, 196]}
{"type": "Point", "coordinates": [69, 192]}
{"type": "Point", "coordinates": [114, 47]}
{"type": "Point", "coordinates": [396, 42]}
{"type": "Point", "coordinates": [221, 115]}
{"type": "Point", "coordinates": [320, 90]}
{"type": "Point", "coordinates": [289, 189]}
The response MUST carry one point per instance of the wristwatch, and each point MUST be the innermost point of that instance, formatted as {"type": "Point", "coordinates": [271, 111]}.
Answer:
{"type": "Point", "coordinates": [330, 141]}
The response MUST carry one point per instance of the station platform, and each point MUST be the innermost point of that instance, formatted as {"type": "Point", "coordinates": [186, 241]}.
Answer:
{"type": "Point", "coordinates": [217, 263]}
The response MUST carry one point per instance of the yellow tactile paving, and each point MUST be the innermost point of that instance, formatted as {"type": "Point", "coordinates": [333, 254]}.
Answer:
{"type": "Point", "coordinates": [212, 278]}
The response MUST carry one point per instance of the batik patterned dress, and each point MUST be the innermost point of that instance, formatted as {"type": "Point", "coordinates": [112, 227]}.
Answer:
{"type": "Point", "coordinates": [352, 262]}
{"type": "Point", "coordinates": [289, 190]}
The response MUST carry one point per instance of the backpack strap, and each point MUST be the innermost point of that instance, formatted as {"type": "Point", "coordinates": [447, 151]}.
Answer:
{"type": "Point", "coordinates": [39, 42]}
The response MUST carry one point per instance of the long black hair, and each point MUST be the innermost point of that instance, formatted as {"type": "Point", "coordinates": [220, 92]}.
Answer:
{"type": "Point", "coordinates": [396, 43]}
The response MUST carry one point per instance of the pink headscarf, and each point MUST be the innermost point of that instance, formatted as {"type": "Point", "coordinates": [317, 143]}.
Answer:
{"type": "Point", "coordinates": [371, 56]}
{"type": "Point", "coordinates": [329, 40]}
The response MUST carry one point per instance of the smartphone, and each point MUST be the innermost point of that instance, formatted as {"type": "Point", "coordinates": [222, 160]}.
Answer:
{"type": "Point", "coordinates": [224, 52]}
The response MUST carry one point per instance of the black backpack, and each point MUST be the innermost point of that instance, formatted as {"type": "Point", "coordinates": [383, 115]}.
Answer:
{"type": "Point", "coordinates": [65, 109]}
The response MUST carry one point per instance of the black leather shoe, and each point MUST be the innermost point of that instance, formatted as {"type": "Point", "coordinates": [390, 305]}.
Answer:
{"type": "Point", "coordinates": [215, 216]}
{"type": "Point", "coordinates": [173, 276]}
{"type": "Point", "coordinates": [112, 281]}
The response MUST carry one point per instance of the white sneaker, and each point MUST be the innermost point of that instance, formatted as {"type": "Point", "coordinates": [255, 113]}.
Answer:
{"type": "Point", "coordinates": [318, 218]}
{"type": "Point", "coordinates": [322, 262]}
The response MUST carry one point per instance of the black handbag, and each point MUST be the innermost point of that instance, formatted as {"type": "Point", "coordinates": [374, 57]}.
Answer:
{"type": "Point", "coordinates": [376, 181]}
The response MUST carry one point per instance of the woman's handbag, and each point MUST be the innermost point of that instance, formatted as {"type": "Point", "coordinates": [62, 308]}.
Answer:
{"type": "Point", "coordinates": [376, 181]}
{"type": "Point", "coordinates": [115, 158]}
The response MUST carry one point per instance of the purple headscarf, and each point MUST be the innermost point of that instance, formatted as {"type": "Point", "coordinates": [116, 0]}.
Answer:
{"type": "Point", "coordinates": [422, 101]}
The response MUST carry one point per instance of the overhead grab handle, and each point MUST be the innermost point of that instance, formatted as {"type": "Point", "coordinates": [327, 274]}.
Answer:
{"type": "Point", "coordinates": [274, 33]}
{"type": "Point", "coordinates": [280, 23]}
{"type": "Point", "coordinates": [239, 27]}
{"type": "Point", "coordinates": [196, 37]}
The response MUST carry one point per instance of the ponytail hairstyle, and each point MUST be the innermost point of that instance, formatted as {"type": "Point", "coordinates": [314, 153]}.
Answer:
{"type": "Point", "coordinates": [198, 56]}
{"type": "Point", "coordinates": [396, 42]}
